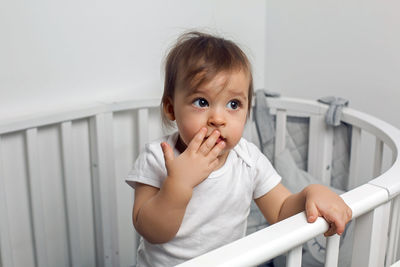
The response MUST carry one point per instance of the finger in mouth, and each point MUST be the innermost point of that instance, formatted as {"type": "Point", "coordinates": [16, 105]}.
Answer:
{"type": "Point", "coordinates": [220, 139]}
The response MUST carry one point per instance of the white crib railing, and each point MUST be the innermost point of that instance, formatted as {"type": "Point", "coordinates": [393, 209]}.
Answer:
{"type": "Point", "coordinates": [63, 200]}
{"type": "Point", "coordinates": [35, 238]}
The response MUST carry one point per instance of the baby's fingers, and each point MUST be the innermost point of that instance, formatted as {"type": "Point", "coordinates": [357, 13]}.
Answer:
{"type": "Point", "coordinates": [331, 231]}
{"type": "Point", "coordinates": [197, 140]}
{"type": "Point", "coordinates": [311, 211]}
{"type": "Point", "coordinates": [216, 150]}
{"type": "Point", "coordinates": [337, 224]}
{"type": "Point", "coordinates": [168, 152]}
{"type": "Point", "coordinates": [209, 144]}
{"type": "Point", "coordinates": [214, 163]}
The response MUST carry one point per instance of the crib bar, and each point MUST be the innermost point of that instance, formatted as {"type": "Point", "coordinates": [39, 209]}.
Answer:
{"type": "Point", "coordinates": [372, 125]}
{"type": "Point", "coordinates": [85, 112]}
{"type": "Point", "coordinates": [280, 134]}
{"type": "Point", "coordinates": [394, 232]}
{"type": "Point", "coordinates": [297, 106]}
{"type": "Point", "coordinates": [108, 181]}
{"type": "Point", "coordinates": [370, 237]}
{"type": "Point", "coordinates": [104, 191]}
{"type": "Point", "coordinates": [143, 138]}
{"type": "Point", "coordinates": [293, 258]}
{"type": "Point", "coordinates": [378, 157]}
{"type": "Point", "coordinates": [320, 149]}
{"type": "Point", "coordinates": [6, 255]}
{"type": "Point", "coordinates": [332, 251]}
{"type": "Point", "coordinates": [142, 127]}
{"type": "Point", "coordinates": [354, 157]}
{"type": "Point", "coordinates": [36, 201]}
{"type": "Point", "coordinates": [70, 188]}
{"type": "Point", "coordinates": [262, 245]}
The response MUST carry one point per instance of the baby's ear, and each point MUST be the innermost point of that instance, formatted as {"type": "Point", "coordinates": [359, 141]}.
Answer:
{"type": "Point", "coordinates": [168, 108]}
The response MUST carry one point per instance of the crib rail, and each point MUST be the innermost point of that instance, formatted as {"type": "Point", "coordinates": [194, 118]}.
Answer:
{"type": "Point", "coordinates": [92, 150]}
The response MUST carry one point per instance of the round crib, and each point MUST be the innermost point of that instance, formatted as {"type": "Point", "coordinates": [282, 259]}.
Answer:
{"type": "Point", "coordinates": [64, 202]}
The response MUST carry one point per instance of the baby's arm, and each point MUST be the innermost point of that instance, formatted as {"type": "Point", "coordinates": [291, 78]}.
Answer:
{"type": "Point", "coordinates": [316, 200]}
{"type": "Point", "coordinates": [158, 213]}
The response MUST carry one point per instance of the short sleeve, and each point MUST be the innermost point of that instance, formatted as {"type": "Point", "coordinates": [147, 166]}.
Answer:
{"type": "Point", "coordinates": [264, 175]}
{"type": "Point", "coordinates": [149, 167]}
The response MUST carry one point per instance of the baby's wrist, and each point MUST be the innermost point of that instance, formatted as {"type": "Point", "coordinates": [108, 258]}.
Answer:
{"type": "Point", "coordinates": [312, 188]}
{"type": "Point", "coordinates": [176, 192]}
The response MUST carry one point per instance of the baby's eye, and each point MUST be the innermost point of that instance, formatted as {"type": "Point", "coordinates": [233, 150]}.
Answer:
{"type": "Point", "coordinates": [233, 104]}
{"type": "Point", "coordinates": [200, 102]}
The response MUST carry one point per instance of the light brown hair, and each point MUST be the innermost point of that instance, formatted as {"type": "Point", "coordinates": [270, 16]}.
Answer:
{"type": "Point", "coordinates": [196, 59]}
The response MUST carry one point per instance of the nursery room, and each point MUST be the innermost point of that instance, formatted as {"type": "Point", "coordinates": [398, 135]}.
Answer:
{"type": "Point", "coordinates": [307, 99]}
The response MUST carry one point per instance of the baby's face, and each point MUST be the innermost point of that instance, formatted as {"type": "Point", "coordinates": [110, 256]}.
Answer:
{"type": "Point", "coordinates": [221, 104]}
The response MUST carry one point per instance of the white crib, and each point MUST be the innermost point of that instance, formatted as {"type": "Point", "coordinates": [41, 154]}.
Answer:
{"type": "Point", "coordinates": [64, 202]}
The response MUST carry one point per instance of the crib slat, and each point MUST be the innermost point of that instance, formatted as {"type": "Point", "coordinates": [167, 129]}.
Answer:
{"type": "Point", "coordinates": [35, 184]}
{"type": "Point", "coordinates": [293, 258]}
{"type": "Point", "coordinates": [143, 128]}
{"type": "Point", "coordinates": [354, 157]}
{"type": "Point", "coordinates": [320, 149]}
{"type": "Point", "coordinates": [332, 251]}
{"type": "Point", "coordinates": [104, 191]}
{"type": "Point", "coordinates": [370, 237]}
{"type": "Point", "coordinates": [378, 158]}
{"type": "Point", "coordinates": [394, 232]}
{"type": "Point", "coordinates": [143, 138]}
{"type": "Point", "coordinates": [6, 254]}
{"type": "Point", "coordinates": [70, 187]}
{"type": "Point", "coordinates": [280, 134]}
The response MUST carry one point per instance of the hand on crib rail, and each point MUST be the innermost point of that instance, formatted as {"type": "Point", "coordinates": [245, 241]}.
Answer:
{"type": "Point", "coordinates": [322, 202]}
{"type": "Point", "coordinates": [317, 201]}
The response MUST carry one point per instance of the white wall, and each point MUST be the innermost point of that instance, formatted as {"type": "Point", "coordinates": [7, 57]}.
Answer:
{"type": "Point", "coordinates": [54, 55]}
{"type": "Point", "coordinates": [342, 48]}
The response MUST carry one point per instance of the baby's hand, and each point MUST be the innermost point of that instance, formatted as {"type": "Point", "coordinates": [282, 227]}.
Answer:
{"type": "Point", "coordinates": [321, 201]}
{"type": "Point", "coordinates": [197, 161]}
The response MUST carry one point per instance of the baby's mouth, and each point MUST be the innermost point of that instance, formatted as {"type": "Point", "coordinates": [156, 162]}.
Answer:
{"type": "Point", "coordinates": [220, 139]}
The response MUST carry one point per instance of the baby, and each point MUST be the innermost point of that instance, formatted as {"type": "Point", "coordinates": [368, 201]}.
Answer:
{"type": "Point", "coordinates": [193, 192]}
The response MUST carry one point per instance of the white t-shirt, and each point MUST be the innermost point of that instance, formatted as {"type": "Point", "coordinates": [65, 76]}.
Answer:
{"type": "Point", "coordinates": [217, 212]}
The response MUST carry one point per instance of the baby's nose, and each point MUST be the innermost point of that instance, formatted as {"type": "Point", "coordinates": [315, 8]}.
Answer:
{"type": "Point", "coordinates": [216, 119]}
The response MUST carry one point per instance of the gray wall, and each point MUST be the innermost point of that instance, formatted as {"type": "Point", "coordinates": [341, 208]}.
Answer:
{"type": "Point", "coordinates": [348, 49]}
{"type": "Point", "coordinates": [342, 48]}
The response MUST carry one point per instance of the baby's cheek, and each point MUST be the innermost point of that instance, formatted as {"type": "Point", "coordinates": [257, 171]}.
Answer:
{"type": "Point", "coordinates": [237, 133]}
{"type": "Point", "coordinates": [188, 130]}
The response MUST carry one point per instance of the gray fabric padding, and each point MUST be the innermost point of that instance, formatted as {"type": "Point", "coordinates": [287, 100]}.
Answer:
{"type": "Point", "coordinates": [263, 120]}
{"type": "Point", "coordinates": [297, 133]}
